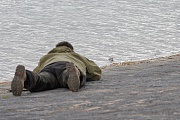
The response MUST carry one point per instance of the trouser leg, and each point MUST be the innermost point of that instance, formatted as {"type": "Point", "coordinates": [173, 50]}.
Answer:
{"type": "Point", "coordinates": [40, 82]}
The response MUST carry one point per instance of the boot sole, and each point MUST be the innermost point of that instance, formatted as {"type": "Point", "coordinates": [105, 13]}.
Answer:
{"type": "Point", "coordinates": [73, 81]}
{"type": "Point", "coordinates": [17, 83]}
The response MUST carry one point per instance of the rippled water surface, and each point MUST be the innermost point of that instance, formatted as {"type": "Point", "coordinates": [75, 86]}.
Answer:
{"type": "Point", "coordinates": [124, 30]}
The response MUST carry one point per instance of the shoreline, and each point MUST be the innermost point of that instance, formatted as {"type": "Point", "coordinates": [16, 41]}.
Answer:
{"type": "Point", "coordinates": [174, 57]}
{"type": "Point", "coordinates": [159, 59]}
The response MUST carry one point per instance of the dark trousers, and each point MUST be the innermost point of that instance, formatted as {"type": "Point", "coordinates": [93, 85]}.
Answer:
{"type": "Point", "coordinates": [51, 77]}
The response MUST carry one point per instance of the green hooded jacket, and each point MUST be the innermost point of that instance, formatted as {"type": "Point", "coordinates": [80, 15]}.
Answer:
{"type": "Point", "coordinates": [63, 53]}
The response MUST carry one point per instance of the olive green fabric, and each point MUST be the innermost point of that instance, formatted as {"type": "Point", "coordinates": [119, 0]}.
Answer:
{"type": "Point", "coordinates": [63, 53]}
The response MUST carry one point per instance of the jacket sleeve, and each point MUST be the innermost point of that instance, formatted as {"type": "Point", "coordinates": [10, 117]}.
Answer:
{"type": "Point", "coordinates": [93, 72]}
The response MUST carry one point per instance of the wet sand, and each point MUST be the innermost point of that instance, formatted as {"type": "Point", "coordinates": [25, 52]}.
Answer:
{"type": "Point", "coordinates": [140, 90]}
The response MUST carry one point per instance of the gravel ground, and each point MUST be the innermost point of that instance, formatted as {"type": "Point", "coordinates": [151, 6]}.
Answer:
{"type": "Point", "coordinates": [142, 90]}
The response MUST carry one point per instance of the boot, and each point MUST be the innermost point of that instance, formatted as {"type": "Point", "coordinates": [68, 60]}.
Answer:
{"type": "Point", "coordinates": [17, 83]}
{"type": "Point", "coordinates": [73, 80]}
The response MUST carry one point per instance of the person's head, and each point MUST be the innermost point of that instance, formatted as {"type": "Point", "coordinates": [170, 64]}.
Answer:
{"type": "Point", "coordinates": [65, 43]}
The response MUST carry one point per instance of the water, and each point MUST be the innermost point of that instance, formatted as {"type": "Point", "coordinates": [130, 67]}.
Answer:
{"type": "Point", "coordinates": [125, 30]}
